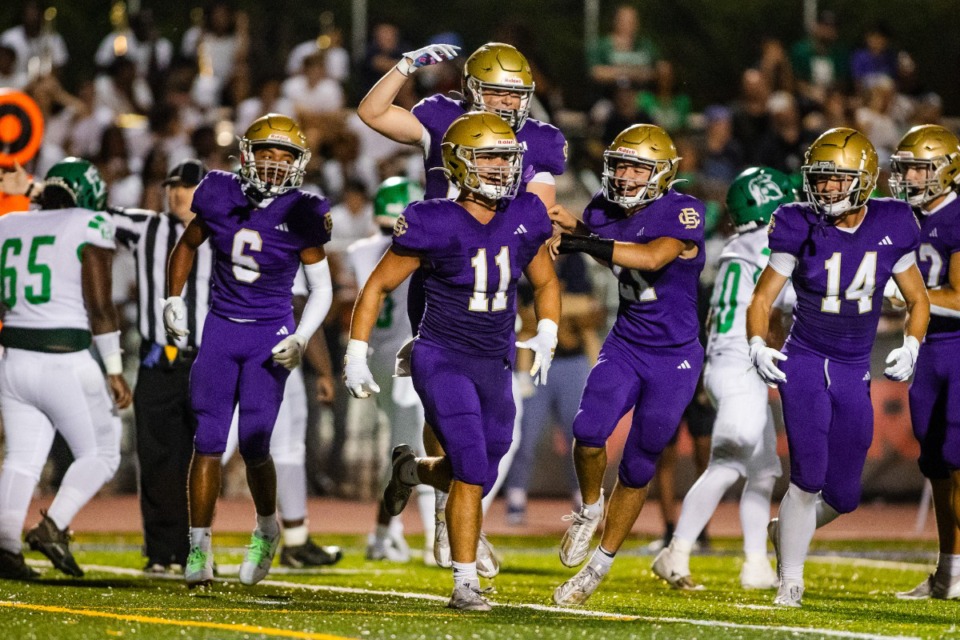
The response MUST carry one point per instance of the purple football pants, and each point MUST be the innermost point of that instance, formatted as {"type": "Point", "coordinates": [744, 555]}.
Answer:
{"type": "Point", "coordinates": [235, 365]}
{"type": "Point", "coordinates": [935, 407]}
{"type": "Point", "coordinates": [829, 422]}
{"type": "Point", "coordinates": [469, 402]}
{"type": "Point", "coordinates": [658, 383]}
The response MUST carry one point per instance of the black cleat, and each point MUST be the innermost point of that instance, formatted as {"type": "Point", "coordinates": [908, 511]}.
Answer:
{"type": "Point", "coordinates": [14, 567]}
{"type": "Point", "coordinates": [397, 493]}
{"type": "Point", "coordinates": [309, 554]}
{"type": "Point", "coordinates": [55, 544]}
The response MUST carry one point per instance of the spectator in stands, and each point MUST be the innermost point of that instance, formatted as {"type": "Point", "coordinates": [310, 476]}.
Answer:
{"type": "Point", "coordinates": [775, 65]}
{"type": "Point", "coordinates": [751, 119]}
{"type": "Point", "coordinates": [666, 107]}
{"type": "Point", "coordinates": [722, 156]}
{"type": "Point", "coordinates": [820, 63]}
{"type": "Point", "coordinates": [876, 57]}
{"type": "Point", "coordinates": [330, 43]}
{"type": "Point", "coordinates": [40, 49]}
{"type": "Point", "coordinates": [140, 42]}
{"type": "Point", "coordinates": [352, 218]}
{"type": "Point", "coordinates": [312, 92]}
{"type": "Point", "coordinates": [783, 146]}
{"type": "Point", "coordinates": [384, 50]}
{"type": "Point", "coordinates": [623, 54]}
{"type": "Point", "coordinates": [218, 45]}
{"type": "Point", "coordinates": [124, 186]}
{"type": "Point", "coordinates": [269, 99]}
{"type": "Point", "coordinates": [10, 76]}
{"type": "Point", "coordinates": [121, 90]}
{"type": "Point", "coordinates": [883, 115]}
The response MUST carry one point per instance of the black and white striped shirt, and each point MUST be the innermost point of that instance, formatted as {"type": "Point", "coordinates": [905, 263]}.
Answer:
{"type": "Point", "coordinates": [151, 237]}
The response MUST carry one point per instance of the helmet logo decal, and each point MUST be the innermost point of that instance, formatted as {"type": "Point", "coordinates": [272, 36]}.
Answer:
{"type": "Point", "coordinates": [627, 151]}
{"type": "Point", "coordinates": [764, 190]}
{"type": "Point", "coordinates": [689, 218]}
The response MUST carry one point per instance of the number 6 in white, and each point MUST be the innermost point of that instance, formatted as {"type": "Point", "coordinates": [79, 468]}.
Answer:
{"type": "Point", "coordinates": [245, 268]}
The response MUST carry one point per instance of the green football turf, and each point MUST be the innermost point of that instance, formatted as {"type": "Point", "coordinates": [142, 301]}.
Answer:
{"type": "Point", "coordinates": [850, 590]}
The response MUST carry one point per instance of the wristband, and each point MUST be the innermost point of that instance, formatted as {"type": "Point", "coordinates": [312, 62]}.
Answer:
{"type": "Point", "coordinates": [404, 67]}
{"type": "Point", "coordinates": [547, 327]}
{"type": "Point", "coordinates": [600, 248]}
{"type": "Point", "coordinates": [756, 339]}
{"type": "Point", "coordinates": [357, 349]}
{"type": "Point", "coordinates": [108, 346]}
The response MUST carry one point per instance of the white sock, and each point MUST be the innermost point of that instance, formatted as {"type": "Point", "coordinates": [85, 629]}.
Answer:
{"type": "Point", "coordinates": [798, 521]}
{"type": "Point", "coordinates": [381, 533]}
{"type": "Point", "coordinates": [516, 497]}
{"type": "Point", "coordinates": [702, 500]}
{"type": "Point", "coordinates": [396, 526]}
{"type": "Point", "coordinates": [291, 491]}
{"type": "Point", "coordinates": [441, 501]}
{"type": "Point", "coordinates": [201, 537]}
{"type": "Point", "coordinates": [948, 567]}
{"type": "Point", "coordinates": [756, 558]}
{"type": "Point", "coordinates": [465, 573]}
{"type": "Point", "coordinates": [425, 502]}
{"type": "Point", "coordinates": [296, 536]}
{"type": "Point", "coordinates": [268, 525]}
{"type": "Point", "coordinates": [602, 560]}
{"type": "Point", "coordinates": [825, 513]}
{"type": "Point", "coordinates": [755, 514]}
{"type": "Point", "coordinates": [680, 549]}
{"type": "Point", "coordinates": [594, 510]}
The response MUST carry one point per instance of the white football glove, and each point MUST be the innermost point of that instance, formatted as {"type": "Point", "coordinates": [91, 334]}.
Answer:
{"type": "Point", "coordinates": [542, 346]}
{"type": "Point", "coordinates": [424, 56]}
{"type": "Point", "coordinates": [175, 317]}
{"type": "Point", "coordinates": [289, 352]}
{"type": "Point", "coordinates": [765, 360]}
{"type": "Point", "coordinates": [356, 371]}
{"type": "Point", "coordinates": [903, 360]}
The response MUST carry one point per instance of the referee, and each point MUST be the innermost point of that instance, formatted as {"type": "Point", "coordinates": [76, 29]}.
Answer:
{"type": "Point", "coordinates": [165, 420]}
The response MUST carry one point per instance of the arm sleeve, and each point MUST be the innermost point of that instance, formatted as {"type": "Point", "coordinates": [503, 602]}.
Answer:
{"type": "Point", "coordinates": [318, 300]}
{"type": "Point", "coordinates": [783, 263]}
{"type": "Point", "coordinates": [905, 262]}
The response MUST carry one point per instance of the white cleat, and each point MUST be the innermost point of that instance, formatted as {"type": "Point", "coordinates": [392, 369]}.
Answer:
{"type": "Point", "coordinates": [260, 553]}
{"type": "Point", "coordinates": [441, 542]}
{"type": "Point", "coordinates": [392, 548]}
{"type": "Point", "coordinates": [923, 591]}
{"type": "Point", "coordinates": [487, 564]}
{"type": "Point", "coordinates": [199, 569]}
{"type": "Point", "coordinates": [667, 565]}
{"type": "Point", "coordinates": [947, 592]}
{"type": "Point", "coordinates": [577, 589]}
{"type": "Point", "coordinates": [758, 575]}
{"type": "Point", "coordinates": [575, 544]}
{"type": "Point", "coordinates": [789, 594]}
{"type": "Point", "coordinates": [468, 597]}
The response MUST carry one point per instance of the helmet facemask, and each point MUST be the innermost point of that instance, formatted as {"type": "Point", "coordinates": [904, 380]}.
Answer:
{"type": "Point", "coordinates": [493, 182]}
{"type": "Point", "coordinates": [838, 203]}
{"type": "Point", "coordinates": [272, 177]}
{"type": "Point", "coordinates": [616, 189]}
{"type": "Point", "coordinates": [514, 117]}
{"type": "Point", "coordinates": [917, 193]}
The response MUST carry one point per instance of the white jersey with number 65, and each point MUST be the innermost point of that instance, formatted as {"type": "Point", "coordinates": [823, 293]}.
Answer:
{"type": "Point", "coordinates": [40, 260]}
{"type": "Point", "coordinates": [743, 259]}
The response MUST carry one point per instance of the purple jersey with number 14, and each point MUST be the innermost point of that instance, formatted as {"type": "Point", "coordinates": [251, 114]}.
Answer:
{"type": "Point", "coordinates": [257, 249]}
{"type": "Point", "coordinates": [657, 308]}
{"type": "Point", "coordinates": [840, 274]}
{"type": "Point", "coordinates": [546, 148]}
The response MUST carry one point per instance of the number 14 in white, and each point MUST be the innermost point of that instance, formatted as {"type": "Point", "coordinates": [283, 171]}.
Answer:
{"type": "Point", "coordinates": [861, 287]}
{"type": "Point", "coordinates": [478, 301]}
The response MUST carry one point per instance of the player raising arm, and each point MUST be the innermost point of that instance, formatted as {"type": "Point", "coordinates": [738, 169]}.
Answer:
{"type": "Point", "coordinates": [840, 248]}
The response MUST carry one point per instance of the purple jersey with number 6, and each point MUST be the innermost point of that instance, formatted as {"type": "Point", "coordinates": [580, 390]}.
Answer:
{"type": "Point", "coordinates": [546, 148]}
{"type": "Point", "coordinates": [472, 269]}
{"type": "Point", "coordinates": [657, 308]}
{"type": "Point", "coordinates": [257, 249]}
{"type": "Point", "coordinates": [840, 274]}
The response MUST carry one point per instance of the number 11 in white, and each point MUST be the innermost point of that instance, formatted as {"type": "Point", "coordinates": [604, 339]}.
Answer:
{"type": "Point", "coordinates": [478, 301]}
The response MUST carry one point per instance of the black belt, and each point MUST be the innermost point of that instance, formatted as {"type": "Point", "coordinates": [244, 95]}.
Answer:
{"type": "Point", "coordinates": [45, 340]}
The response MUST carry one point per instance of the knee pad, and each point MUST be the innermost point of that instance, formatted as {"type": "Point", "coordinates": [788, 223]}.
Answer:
{"type": "Point", "coordinates": [470, 466]}
{"type": "Point", "coordinates": [256, 448]}
{"type": "Point", "coordinates": [731, 450]}
{"type": "Point", "coordinates": [844, 500]}
{"type": "Point", "coordinates": [637, 469]}
{"type": "Point", "coordinates": [16, 466]}
{"type": "Point", "coordinates": [111, 461]}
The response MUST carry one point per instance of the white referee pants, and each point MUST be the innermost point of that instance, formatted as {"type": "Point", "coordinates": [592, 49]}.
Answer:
{"type": "Point", "coordinates": [44, 393]}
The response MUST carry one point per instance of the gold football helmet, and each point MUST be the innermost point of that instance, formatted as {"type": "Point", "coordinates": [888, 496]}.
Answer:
{"type": "Point", "coordinates": [499, 67]}
{"type": "Point", "coordinates": [930, 147]}
{"type": "Point", "coordinates": [846, 156]}
{"type": "Point", "coordinates": [270, 177]}
{"type": "Point", "coordinates": [479, 135]}
{"type": "Point", "coordinates": [645, 146]}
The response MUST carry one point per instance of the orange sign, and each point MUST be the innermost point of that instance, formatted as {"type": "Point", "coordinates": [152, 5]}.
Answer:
{"type": "Point", "coordinates": [21, 128]}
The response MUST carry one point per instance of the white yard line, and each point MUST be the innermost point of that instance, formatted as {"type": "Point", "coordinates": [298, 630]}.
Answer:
{"type": "Point", "coordinates": [587, 613]}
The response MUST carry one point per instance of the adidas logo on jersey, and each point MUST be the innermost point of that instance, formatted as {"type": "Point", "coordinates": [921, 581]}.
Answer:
{"type": "Point", "coordinates": [886, 241]}
{"type": "Point", "coordinates": [866, 376]}
{"type": "Point", "coordinates": [521, 229]}
{"type": "Point", "coordinates": [282, 227]}
{"type": "Point", "coordinates": [684, 365]}
{"type": "Point", "coordinates": [283, 332]}
{"type": "Point", "coordinates": [933, 234]}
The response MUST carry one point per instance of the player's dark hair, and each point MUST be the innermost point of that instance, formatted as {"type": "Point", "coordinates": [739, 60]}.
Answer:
{"type": "Point", "coordinates": [56, 197]}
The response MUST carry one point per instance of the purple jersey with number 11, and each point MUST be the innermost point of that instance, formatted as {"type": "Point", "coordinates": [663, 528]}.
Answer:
{"type": "Point", "coordinates": [257, 249]}
{"type": "Point", "coordinates": [840, 274]}
{"type": "Point", "coordinates": [657, 308]}
{"type": "Point", "coordinates": [472, 269]}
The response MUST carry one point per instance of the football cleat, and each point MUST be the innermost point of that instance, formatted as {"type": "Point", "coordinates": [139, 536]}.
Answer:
{"type": "Point", "coordinates": [922, 591]}
{"type": "Point", "coordinates": [468, 597]}
{"type": "Point", "coordinates": [669, 566]}
{"type": "Point", "coordinates": [14, 567]}
{"type": "Point", "coordinates": [160, 569]}
{"type": "Point", "coordinates": [758, 575]}
{"type": "Point", "coordinates": [789, 594]}
{"type": "Point", "coordinates": [309, 554]}
{"type": "Point", "coordinates": [441, 542]}
{"type": "Point", "coordinates": [260, 552]}
{"type": "Point", "coordinates": [575, 544]}
{"type": "Point", "coordinates": [199, 571]}
{"type": "Point", "coordinates": [487, 564]}
{"type": "Point", "coordinates": [55, 544]}
{"type": "Point", "coordinates": [397, 493]}
{"type": "Point", "coordinates": [392, 548]}
{"type": "Point", "coordinates": [577, 589]}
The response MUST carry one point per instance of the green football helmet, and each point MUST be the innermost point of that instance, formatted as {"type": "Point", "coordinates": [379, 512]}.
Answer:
{"type": "Point", "coordinates": [81, 180]}
{"type": "Point", "coordinates": [755, 194]}
{"type": "Point", "coordinates": [392, 198]}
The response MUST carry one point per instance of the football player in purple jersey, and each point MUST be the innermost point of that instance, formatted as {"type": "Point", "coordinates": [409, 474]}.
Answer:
{"type": "Point", "coordinates": [262, 228]}
{"type": "Point", "coordinates": [496, 78]}
{"type": "Point", "coordinates": [839, 248]}
{"type": "Point", "coordinates": [926, 173]}
{"type": "Point", "coordinates": [652, 238]}
{"type": "Point", "coordinates": [476, 247]}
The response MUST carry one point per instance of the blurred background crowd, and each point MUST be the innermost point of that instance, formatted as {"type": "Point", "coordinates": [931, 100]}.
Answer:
{"type": "Point", "coordinates": [137, 87]}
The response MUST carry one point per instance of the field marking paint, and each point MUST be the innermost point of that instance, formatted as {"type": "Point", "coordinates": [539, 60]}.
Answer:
{"type": "Point", "coordinates": [606, 615]}
{"type": "Point", "coordinates": [239, 628]}
{"type": "Point", "coordinates": [872, 563]}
